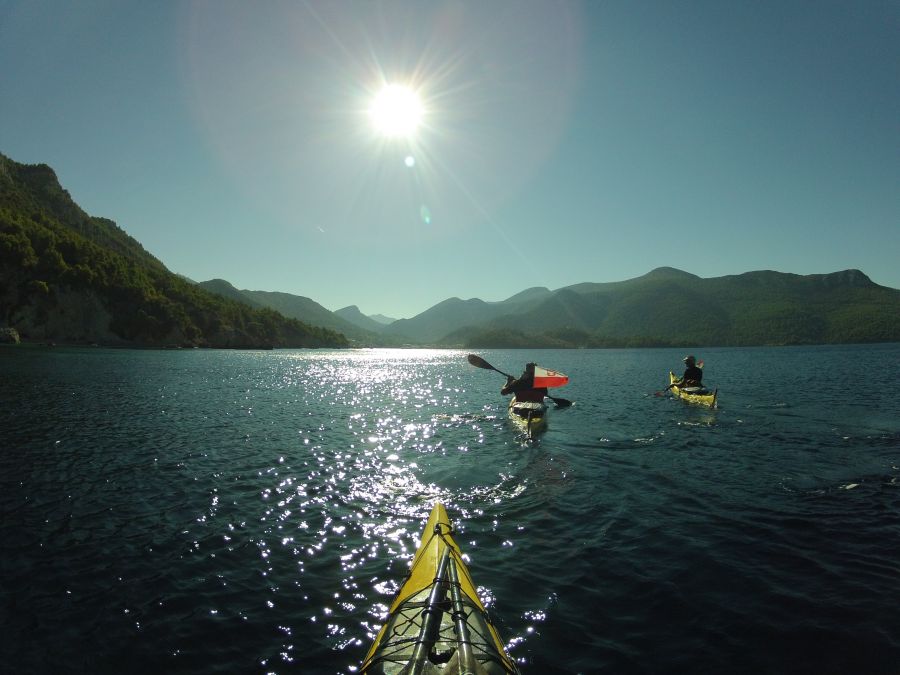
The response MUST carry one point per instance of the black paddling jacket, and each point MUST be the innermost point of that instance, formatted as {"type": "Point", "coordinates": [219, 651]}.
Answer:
{"type": "Point", "coordinates": [524, 390]}
{"type": "Point", "coordinates": [693, 376]}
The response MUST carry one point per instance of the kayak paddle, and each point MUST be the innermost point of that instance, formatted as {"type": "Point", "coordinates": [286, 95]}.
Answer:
{"type": "Point", "coordinates": [479, 362]}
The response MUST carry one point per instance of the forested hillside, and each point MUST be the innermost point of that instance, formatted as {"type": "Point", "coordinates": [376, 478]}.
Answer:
{"type": "Point", "coordinates": [306, 310]}
{"type": "Point", "coordinates": [66, 276]}
{"type": "Point", "coordinates": [669, 307]}
{"type": "Point", "coordinates": [69, 277]}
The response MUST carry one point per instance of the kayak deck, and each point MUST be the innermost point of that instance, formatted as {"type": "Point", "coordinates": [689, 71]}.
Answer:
{"type": "Point", "coordinates": [529, 416]}
{"type": "Point", "coordinates": [702, 396]}
{"type": "Point", "coordinates": [437, 624]}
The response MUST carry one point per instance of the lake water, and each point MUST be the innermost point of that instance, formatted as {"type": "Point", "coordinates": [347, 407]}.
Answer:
{"type": "Point", "coordinates": [253, 512]}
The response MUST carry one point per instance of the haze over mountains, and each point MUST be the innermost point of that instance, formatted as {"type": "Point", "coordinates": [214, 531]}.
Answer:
{"type": "Point", "coordinates": [664, 307]}
{"type": "Point", "coordinates": [70, 277]}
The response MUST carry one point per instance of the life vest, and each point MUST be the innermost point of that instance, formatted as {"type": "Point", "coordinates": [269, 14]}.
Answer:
{"type": "Point", "coordinates": [533, 395]}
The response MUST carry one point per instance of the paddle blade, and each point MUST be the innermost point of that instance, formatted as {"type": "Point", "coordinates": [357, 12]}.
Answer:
{"type": "Point", "coordinates": [560, 402]}
{"type": "Point", "coordinates": [479, 362]}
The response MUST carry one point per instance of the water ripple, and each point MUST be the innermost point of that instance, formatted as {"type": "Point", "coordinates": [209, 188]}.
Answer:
{"type": "Point", "coordinates": [200, 511]}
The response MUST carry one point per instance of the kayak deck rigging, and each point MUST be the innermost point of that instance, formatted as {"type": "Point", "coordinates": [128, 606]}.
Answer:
{"type": "Point", "coordinates": [437, 624]}
{"type": "Point", "coordinates": [530, 416]}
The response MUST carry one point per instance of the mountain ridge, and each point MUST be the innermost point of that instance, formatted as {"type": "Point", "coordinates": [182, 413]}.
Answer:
{"type": "Point", "coordinates": [353, 314]}
{"type": "Point", "coordinates": [669, 306]}
{"type": "Point", "coordinates": [68, 275]}
{"type": "Point", "coordinates": [308, 311]}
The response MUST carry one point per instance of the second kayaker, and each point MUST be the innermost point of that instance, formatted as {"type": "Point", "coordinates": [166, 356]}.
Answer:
{"type": "Point", "coordinates": [523, 386]}
{"type": "Point", "coordinates": [693, 374]}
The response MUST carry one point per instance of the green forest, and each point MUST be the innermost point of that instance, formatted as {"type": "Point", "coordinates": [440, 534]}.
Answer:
{"type": "Point", "coordinates": [53, 257]}
{"type": "Point", "coordinates": [670, 308]}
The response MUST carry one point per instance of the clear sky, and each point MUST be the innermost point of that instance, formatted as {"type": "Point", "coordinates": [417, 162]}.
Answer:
{"type": "Point", "coordinates": [559, 142]}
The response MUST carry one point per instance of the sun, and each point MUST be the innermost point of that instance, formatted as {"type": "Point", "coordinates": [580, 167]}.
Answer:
{"type": "Point", "coordinates": [396, 111]}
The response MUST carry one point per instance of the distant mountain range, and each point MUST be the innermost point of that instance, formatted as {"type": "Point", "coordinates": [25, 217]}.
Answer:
{"type": "Point", "coordinates": [360, 329]}
{"type": "Point", "coordinates": [666, 307]}
{"type": "Point", "coordinates": [671, 307]}
{"type": "Point", "coordinates": [70, 277]}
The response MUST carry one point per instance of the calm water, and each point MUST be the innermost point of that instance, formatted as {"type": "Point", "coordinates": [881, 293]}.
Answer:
{"type": "Point", "coordinates": [254, 512]}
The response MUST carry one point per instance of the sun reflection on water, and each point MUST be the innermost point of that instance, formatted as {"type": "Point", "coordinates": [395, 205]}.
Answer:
{"type": "Point", "coordinates": [199, 537]}
{"type": "Point", "coordinates": [358, 446]}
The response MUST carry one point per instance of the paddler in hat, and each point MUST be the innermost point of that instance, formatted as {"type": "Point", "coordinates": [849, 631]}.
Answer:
{"type": "Point", "coordinates": [693, 374]}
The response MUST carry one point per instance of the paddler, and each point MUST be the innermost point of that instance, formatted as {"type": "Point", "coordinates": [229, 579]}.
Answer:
{"type": "Point", "coordinates": [693, 374]}
{"type": "Point", "coordinates": [523, 386]}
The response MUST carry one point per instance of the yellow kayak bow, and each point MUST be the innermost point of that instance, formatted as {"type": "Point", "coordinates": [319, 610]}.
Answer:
{"type": "Point", "coordinates": [437, 624]}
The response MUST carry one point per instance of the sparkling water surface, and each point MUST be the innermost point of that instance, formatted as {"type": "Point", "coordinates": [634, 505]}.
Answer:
{"type": "Point", "coordinates": [201, 511]}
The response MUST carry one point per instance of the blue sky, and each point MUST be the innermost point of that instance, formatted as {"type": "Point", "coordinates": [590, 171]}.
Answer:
{"type": "Point", "coordinates": [560, 142]}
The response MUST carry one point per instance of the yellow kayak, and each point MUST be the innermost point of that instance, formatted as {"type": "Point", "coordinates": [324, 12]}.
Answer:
{"type": "Point", "coordinates": [529, 416]}
{"type": "Point", "coordinates": [699, 395]}
{"type": "Point", "coordinates": [437, 624]}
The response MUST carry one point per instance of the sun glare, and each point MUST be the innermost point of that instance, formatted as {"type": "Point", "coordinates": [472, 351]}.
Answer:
{"type": "Point", "coordinates": [396, 111]}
